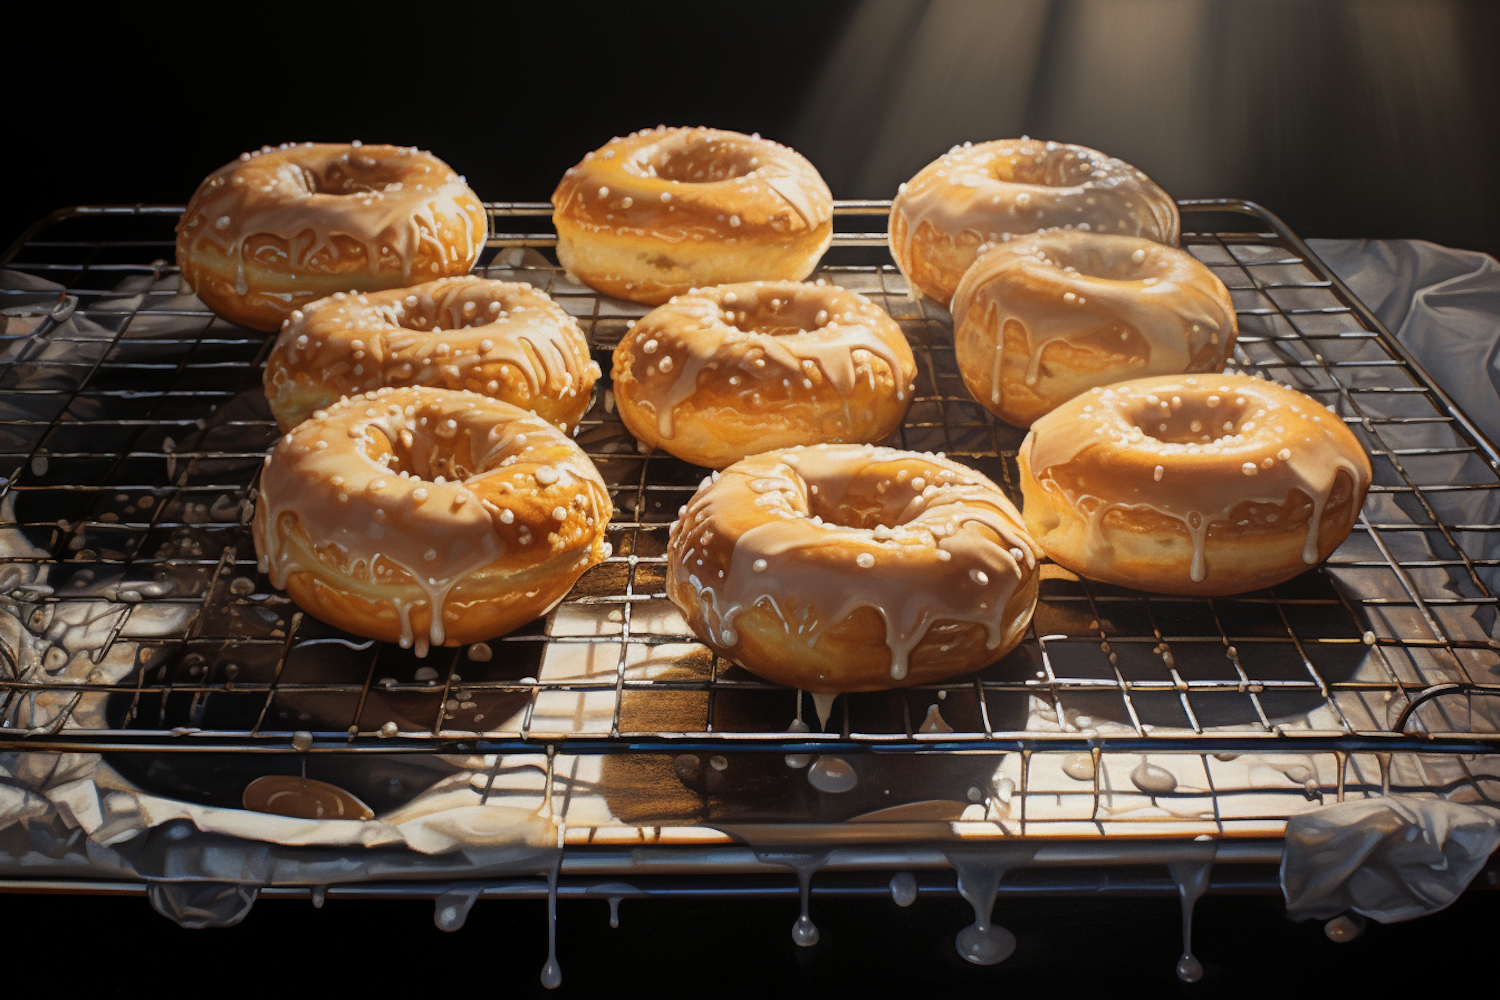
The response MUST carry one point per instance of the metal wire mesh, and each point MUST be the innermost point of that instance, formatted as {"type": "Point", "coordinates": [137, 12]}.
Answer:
{"type": "Point", "coordinates": [132, 425]}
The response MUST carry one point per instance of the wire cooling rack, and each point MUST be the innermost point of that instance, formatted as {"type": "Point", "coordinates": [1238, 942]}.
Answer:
{"type": "Point", "coordinates": [132, 426]}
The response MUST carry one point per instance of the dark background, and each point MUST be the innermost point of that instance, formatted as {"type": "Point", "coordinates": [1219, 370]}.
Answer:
{"type": "Point", "coordinates": [1373, 118]}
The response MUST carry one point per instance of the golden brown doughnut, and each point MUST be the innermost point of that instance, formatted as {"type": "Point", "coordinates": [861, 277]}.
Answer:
{"type": "Point", "coordinates": [428, 516]}
{"type": "Point", "coordinates": [1192, 484]}
{"type": "Point", "coordinates": [981, 194]}
{"type": "Point", "coordinates": [655, 213]}
{"type": "Point", "coordinates": [282, 227]}
{"type": "Point", "coordinates": [1041, 318]}
{"type": "Point", "coordinates": [502, 339]}
{"type": "Point", "coordinates": [853, 568]}
{"type": "Point", "coordinates": [721, 373]}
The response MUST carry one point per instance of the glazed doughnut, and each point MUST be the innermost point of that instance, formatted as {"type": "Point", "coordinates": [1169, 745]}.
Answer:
{"type": "Point", "coordinates": [1041, 318]}
{"type": "Point", "coordinates": [655, 213]}
{"type": "Point", "coordinates": [853, 568]}
{"type": "Point", "coordinates": [280, 228]}
{"type": "Point", "coordinates": [721, 373]}
{"type": "Point", "coordinates": [979, 194]}
{"type": "Point", "coordinates": [502, 339]}
{"type": "Point", "coordinates": [1192, 484]}
{"type": "Point", "coordinates": [428, 516]}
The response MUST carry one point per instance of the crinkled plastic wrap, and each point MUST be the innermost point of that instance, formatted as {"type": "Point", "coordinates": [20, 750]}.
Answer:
{"type": "Point", "coordinates": [1443, 304]}
{"type": "Point", "coordinates": [1390, 858]}
{"type": "Point", "coordinates": [1396, 857]}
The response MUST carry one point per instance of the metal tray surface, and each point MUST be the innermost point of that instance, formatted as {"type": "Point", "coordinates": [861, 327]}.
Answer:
{"type": "Point", "coordinates": [133, 621]}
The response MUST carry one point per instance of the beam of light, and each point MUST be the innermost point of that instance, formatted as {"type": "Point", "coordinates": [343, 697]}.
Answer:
{"type": "Point", "coordinates": [910, 79]}
{"type": "Point", "coordinates": [1249, 98]}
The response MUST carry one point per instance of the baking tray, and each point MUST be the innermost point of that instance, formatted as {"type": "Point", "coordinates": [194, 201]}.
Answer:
{"type": "Point", "coordinates": [136, 627]}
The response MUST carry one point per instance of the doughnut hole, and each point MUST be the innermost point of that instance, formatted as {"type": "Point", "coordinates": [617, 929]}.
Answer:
{"type": "Point", "coordinates": [1192, 421]}
{"type": "Point", "coordinates": [508, 478]}
{"type": "Point", "coordinates": [878, 496]}
{"type": "Point", "coordinates": [464, 311]}
{"type": "Point", "coordinates": [350, 176]}
{"type": "Point", "coordinates": [445, 451]}
{"type": "Point", "coordinates": [690, 159]}
{"type": "Point", "coordinates": [1057, 168]}
{"type": "Point", "coordinates": [790, 311]}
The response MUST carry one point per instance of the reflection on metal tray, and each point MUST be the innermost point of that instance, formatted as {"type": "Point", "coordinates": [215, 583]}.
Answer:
{"type": "Point", "coordinates": [132, 426]}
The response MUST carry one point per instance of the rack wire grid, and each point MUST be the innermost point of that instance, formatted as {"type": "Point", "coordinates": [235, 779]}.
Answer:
{"type": "Point", "coordinates": [135, 623]}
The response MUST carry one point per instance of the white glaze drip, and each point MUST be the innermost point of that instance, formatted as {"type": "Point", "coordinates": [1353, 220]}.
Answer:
{"type": "Point", "coordinates": [804, 931]}
{"type": "Point", "coordinates": [979, 873]}
{"type": "Point", "coordinates": [934, 722]}
{"type": "Point", "coordinates": [1190, 873]}
{"type": "Point", "coordinates": [823, 706]}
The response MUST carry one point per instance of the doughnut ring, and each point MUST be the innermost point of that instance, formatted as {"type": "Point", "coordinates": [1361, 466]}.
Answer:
{"type": "Point", "coordinates": [658, 212]}
{"type": "Point", "coordinates": [1192, 484]}
{"type": "Point", "coordinates": [502, 339]}
{"type": "Point", "coordinates": [853, 568]}
{"type": "Point", "coordinates": [285, 226]}
{"type": "Point", "coordinates": [979, 194]}
{"type": "Point", "coordinates": [721, 373]}
{"type": "Point", "coordinates": [428, 517]}
{"type": "Point", "coordinates": [1041, 318]}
